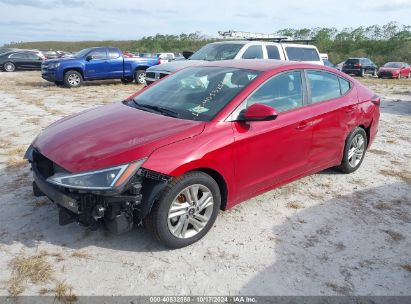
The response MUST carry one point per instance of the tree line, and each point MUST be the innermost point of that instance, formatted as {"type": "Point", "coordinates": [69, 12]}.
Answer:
{"type": "Point", "coordinates": [381, 43]}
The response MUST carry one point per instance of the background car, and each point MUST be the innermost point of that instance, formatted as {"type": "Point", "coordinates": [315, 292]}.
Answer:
{"type": "Point", "coordinates": [395, 70]}
{"type": "Point", "coordinates": [204, 139]}
{"type": "Point", "coordinates": [360, 67]}
{"type": "Point", "coordinates": [21, 60]}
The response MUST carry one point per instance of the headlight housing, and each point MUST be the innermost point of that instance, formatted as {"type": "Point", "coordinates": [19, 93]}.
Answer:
{"type": "Point", "coordinates": [54, 65]}
{"type": "Point", "coordinates": [105, 179]}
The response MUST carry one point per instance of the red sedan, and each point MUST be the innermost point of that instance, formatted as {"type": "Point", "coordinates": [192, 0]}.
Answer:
{"type": "Point", "coordinates": [203, 139]}
{"type": "Point", "coordinates": [395, 70]}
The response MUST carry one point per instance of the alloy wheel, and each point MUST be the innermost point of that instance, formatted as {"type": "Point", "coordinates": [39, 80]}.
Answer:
{"type": "Point", "coordinates": [74, 80]}
{"type": "Point", "coordinates": [356, 150]}
{"type": "Point", "coordinates": [9, 67]}
{"type": "Point", "coordinates": [190, 211]}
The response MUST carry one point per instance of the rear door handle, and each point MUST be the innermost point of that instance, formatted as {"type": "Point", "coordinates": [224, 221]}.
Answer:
{"type": "Point", "coordinates": [302, 125]}
{"type": "Point", "coordinates": [350, 109]}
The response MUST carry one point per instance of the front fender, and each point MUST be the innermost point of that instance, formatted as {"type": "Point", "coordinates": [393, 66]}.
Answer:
{"type": "Point", "coordinates": [211, 150]}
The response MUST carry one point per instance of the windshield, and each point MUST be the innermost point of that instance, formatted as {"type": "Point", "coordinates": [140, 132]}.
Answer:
{"type": "Point", "coordinates": [82, 53]}
{"type": "Point", "coordinates": [393, 65]}
{"type": "Point", "coordinates": [218, 51]}
{"type": "Point", "coordinates": [196, 93]}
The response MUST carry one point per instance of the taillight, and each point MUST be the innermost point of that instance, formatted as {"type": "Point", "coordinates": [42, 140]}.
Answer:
{"type": "Point", "coordinates": [159, 60]}
{"type": "Point", "coordinates": [357, 65]}
{"type": "Point", "coordinates": [376, 100]}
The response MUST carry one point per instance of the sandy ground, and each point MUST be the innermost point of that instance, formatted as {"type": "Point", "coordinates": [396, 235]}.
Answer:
{"type": "Point", "coordinates": [326, 234]}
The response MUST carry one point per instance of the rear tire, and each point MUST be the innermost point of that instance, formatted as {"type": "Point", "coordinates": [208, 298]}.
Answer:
{"type": "Point", "coordinates": [362, 73]}
{"type": "Point", "coordinates": [73, 79]}
{"type": "Point", "coordinates": [9, 67]}
{"type": "Point", "coordinates": [354, 150]}
{"type": "Point", "coordinates": [193, 216]}
{"type": "Point", "coordinates": [140, 76]}
{"type": "Point", "coordinates": [375, 73]}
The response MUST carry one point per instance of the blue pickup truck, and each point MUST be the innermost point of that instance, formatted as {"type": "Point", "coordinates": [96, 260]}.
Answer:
{"type": "Point", "coordinates": [95, 64]}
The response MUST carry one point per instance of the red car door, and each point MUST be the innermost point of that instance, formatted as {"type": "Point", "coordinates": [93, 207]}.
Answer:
{"type": "Point", "coordinates": [333, 113]}
{"type": "Point", "coordinates": [268, 153]}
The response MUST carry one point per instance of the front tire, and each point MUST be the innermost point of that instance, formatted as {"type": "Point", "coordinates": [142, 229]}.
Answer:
{"type": "Point", "coordinates": [9, 67]}
{"type": "Point", "coordinates": [73, 79]}
{"type": "Point", "coordinates": [354, 150]}
{"type": "Point", "coordinates": [140, 76]}
{"type": "Point", "coordinates": [186, 210]}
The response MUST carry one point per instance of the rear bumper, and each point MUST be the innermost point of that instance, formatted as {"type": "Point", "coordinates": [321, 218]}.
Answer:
{"type": "Point", "coordinates": [351, 71]}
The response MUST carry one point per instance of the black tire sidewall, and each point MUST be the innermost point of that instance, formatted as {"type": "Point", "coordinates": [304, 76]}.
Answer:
{"type": "Point", "coordinates": [67, 74]}
{"type": "Point", "coordinates": [345, 165]}
{"type": "Point", "coordinates": [159, 214]}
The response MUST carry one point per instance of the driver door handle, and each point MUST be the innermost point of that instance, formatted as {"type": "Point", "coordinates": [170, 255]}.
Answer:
{"type": "Point", "coordinates": [302, 125]}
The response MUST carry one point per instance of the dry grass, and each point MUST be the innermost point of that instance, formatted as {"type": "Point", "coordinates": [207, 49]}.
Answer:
{"type": "Point", "coordinates": [13, 163]}
{"type": "Point", "coordinates": [81, 255]}
{"type": "Point", "coordinates": [295, 205]}
{"type": "Point", "coordinates": [407, 266]}
{"type": "Point", "coordinates": [378, 152]}
{"type": "Point", "coordinates": [34, 269]}
{"type": "Point", "coordinates": [403, 175]}
{"type": "Point", "coordinates": [395, 236]}
{"type": "Point", "coordinates": [345, 290]}
{"type": "Point", "coordinates": [62, 291]}
{"type": "Point", "coordinates": [383, 206]}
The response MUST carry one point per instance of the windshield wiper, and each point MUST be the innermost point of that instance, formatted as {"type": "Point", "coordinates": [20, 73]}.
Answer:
{"type": "Point", "coordinates": [157, 109]}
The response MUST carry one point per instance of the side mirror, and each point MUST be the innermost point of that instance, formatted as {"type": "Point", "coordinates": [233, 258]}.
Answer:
{"type": "Point", "coordinates": [187, 54]}
{"type": "Point", "coordinates": [258, 112]}
{"type": "Point", "coordinates": [89, 57]}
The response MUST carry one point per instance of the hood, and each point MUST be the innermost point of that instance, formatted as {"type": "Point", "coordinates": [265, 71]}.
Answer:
{"type": "Point", "coordinates": [63, 59]}
{"type": "Point", "coordinates": [110, 135]}
{"type": "Point", "coordinates": [175, 65]}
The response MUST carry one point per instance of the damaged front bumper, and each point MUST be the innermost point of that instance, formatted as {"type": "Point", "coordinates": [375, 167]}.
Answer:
{"type": "Point", "coordinates": [118, 211]}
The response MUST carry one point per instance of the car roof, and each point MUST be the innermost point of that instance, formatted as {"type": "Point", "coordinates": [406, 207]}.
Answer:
{"type": "Point", "coordinates": [284, 42]}
{"type": "Point", "coordinates": [259, 64]}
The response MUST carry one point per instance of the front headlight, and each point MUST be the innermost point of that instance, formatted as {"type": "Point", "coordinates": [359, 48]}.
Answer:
{"type": "Point", "coordinates": [54, 65]}
{"type": "Point", "coordinates": [105, 179]}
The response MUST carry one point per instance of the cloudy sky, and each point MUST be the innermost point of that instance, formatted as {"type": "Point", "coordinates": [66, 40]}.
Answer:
{"type": "Point", "coordinates": [34, 20]}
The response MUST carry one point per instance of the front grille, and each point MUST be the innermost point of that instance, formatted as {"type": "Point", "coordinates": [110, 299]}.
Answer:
{"type": "Point", "coordinates": [151, 75]}
{"type": "Point", "coordinates": [385, 74]}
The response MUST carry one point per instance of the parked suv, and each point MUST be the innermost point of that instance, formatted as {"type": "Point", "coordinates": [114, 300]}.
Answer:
{"type": "Point", "coordinates": [360, 67]}
{"type": "Point", "coordinates": [227, 50]}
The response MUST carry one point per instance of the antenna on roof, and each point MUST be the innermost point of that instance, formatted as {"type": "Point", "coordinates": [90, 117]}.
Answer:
{"type": "Point", "coordinates": [251, 36]}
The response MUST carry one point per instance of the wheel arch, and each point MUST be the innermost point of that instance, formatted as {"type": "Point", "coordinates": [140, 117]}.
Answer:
{"type": "Point", "coordinates": [222, 185]}
{"type": "Point", "coordinates": [77, 69]}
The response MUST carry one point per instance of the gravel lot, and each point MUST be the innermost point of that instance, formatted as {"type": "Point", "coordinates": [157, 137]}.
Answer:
{"type": "Point", "coordinates": [326, 234]}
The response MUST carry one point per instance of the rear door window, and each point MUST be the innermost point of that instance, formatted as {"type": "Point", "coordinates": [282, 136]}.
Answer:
{"type": "Point", "coordinates": [344, 85]}
{"type": "Point", "coordinates": [323, 86]}
{"type": "Point", "coordinates": [253, 52]}
{"type": "Point", "coordinates": [273, 52]}
{"type": "Point", "coordinates": [302, 54]}
{"type": "Point", "coordinates": [113, 53]}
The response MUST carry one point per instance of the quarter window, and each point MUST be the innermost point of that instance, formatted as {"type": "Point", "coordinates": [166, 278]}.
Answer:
{"type": "Point", "coordinates": [253, 52]}
{"type": "Point", "coordinates": [282, 92]}
{"type": "Point", "coordinates": [344, 85]}
{"type": "Point", "coordinates": [323, 86]}
{"type": "Point", "coordinates": [273, 52]}
{"type": "Point", "coordinates": [302, 54]}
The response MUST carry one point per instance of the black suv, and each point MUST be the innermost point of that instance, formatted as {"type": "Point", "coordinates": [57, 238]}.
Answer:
{"type": "Point", "coordinates": [360, 67]}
